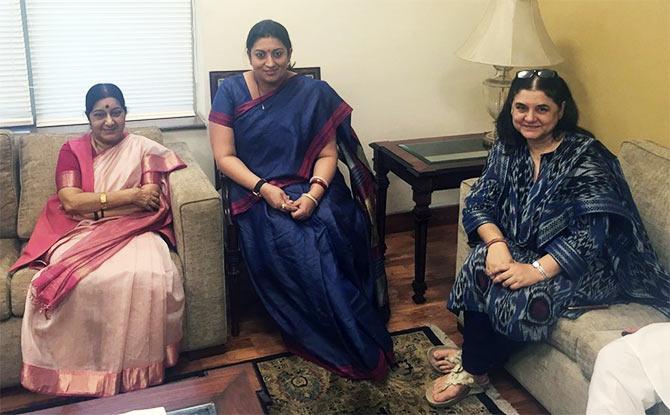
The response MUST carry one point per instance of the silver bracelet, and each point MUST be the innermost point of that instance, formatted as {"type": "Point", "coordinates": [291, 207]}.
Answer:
{"type": "Point", "coordinates": [540, 268]}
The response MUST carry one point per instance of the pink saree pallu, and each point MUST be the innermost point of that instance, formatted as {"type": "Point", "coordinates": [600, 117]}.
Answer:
{"type": "Point", "coordinates": [104, 315]}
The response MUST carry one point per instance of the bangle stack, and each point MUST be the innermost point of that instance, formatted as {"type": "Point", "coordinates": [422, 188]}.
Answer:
{"type": "Point", "coordinates": [320, 181]}
{"type": "Point", "coordinates": [312, 198]}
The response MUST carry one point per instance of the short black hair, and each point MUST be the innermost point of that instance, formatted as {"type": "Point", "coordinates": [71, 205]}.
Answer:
{"type": "Point", "coordinates": [557, 90]}
{"type": "Point", "coordinates": [101, 91]}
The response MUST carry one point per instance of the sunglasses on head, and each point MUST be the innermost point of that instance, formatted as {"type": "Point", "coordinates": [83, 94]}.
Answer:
{"type": "Point", "coordinates": [540, 73]}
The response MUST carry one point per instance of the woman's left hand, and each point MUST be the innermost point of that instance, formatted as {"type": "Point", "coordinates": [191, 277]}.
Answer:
{"type": "Point", "coordinates": [305, 207]}
{"type": "Point", "coordinates": [518, 275]}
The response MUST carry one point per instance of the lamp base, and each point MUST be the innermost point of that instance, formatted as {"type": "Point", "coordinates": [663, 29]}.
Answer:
{"type": "Point", "coordinates": [495, 94]}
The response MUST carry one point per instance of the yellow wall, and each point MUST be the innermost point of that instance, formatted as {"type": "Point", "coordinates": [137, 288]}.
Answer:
{"type": "Point", "coordinates": [617, 63]}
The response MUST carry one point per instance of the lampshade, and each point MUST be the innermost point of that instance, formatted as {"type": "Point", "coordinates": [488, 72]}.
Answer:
{"type": "Point", "coordinates": [511, 33]}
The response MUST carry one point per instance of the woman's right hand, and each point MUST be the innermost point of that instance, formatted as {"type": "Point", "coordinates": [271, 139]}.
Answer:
{"type": "Point", "coordinates": [146, 198]}
{"type": "Point", "coordinates": [498, 259]}
{"type": "Point", "coordinates": [276, 198]}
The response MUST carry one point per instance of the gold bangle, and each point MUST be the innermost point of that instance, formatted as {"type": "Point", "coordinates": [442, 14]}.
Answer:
{"type": "Point", "coordinates": [103, 201]}
{"type": "Point", "coordinates": [312, 198]}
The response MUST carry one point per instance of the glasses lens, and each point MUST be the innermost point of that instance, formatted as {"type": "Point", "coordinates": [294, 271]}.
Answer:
{"type": "Point", "coordinates": [546, 73]}
{"type": "Point", "coordinates": [524, 74]}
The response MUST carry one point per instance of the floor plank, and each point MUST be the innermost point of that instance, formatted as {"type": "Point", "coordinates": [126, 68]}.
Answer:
{"type": "Point", "coordinates": [259, 337]}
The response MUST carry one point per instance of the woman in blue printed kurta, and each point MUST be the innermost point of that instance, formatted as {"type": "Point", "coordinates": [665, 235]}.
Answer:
{"type": "Point", "coordinates": [553, 227]}
{"type": "Point", "coordinates": [310, 247]}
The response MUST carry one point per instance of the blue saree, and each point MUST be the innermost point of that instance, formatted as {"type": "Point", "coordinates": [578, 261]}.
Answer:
{"type": "Point", "coordinates": [322, 279]}
{"type": "Point", "coordinates": [581, 212]}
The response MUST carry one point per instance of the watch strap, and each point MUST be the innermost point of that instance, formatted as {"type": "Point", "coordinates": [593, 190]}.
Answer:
{"type": "Point", "coordinates": [257, 188]}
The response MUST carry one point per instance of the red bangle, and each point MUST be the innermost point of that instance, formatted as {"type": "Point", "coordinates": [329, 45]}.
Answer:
{"type": "Point", "coordinates": [319, 181]}
{"type": "Point", "coordinates": [495, 240]}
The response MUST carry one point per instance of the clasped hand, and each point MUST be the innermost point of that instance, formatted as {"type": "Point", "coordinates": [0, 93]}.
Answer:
{"type": "Point", "coordinates": [276, 197]}
{"type": "Point", "coordinates": [502, 268]}
{"type": "Point", "coordinates": [147, 199]}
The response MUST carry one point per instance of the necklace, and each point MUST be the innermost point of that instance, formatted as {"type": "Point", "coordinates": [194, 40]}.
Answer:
{"type": "Point", "coordinates": [260, 93]}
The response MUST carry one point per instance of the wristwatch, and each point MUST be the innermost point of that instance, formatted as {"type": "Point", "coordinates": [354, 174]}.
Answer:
{"type": "Point", "coordinates": [103, 201]}
{"type": "Point", "coordinates": [257, 189]}
{"type": "Point", "coordinates": [540, 268]}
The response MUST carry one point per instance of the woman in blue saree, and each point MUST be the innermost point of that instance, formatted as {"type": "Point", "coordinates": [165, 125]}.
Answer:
{"type": "Point", "coordinates": [554, 231]}
{"type": "Point", "coordinates": [312, 254]}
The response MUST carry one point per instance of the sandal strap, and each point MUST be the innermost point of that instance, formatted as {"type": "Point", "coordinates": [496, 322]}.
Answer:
{"type": "Point", "coordinates": [456, 359]}
{"type": "Point", "coordinates": [458, 376]}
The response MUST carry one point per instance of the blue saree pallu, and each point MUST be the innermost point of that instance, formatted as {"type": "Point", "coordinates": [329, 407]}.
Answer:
{"type": "Point", "coordinates": [320, 279]}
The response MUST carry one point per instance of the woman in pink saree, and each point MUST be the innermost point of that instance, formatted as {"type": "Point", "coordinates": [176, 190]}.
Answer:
{"type": "Point", "coordinates": [104, 312]}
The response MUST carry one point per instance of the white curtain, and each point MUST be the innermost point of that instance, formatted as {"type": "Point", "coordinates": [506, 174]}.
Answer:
{"type": "Point", "coordinates": [14, 88]}
{"type": "Point", "coordinates": [143, 46]}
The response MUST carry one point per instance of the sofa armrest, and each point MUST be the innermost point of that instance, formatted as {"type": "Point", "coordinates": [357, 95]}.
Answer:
{"type": "Point", "coordinates": [462, 248]}
{"type": "Point", "coordinates": [198, 227]}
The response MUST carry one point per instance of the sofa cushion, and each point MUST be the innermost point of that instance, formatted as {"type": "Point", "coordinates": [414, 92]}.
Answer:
{"type": "Point", "coordinates": [646, 166]}
{"type": "Point", "coordinates": [8, 185]}
{"type": "Point", "coordinates": [38, 154]}
{"type": "Point", "coordinates": [19, 289]}
{"type": "Point", "coordinates": [9, 252]}
{"type": "Point", "coordinates": [575, 337]}
{"type": "Point", "coordinates": [589, 345]}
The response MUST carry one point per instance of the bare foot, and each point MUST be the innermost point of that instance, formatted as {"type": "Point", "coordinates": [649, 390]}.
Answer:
{"type": "Point", "coordinates": [442, 357]}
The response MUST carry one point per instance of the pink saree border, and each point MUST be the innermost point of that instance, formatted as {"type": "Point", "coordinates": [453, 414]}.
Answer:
{"type": "Point", "coordinates": [321, 139]}
{"type": "Point", "coordinates": [221, 118]}
{"type": "Point", "coordinates": [94, 383]}
{"type": "Point", "coordinates": [242, 205]}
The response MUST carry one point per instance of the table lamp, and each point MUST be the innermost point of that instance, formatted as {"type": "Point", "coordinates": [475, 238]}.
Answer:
{"type": "Point", "coordinates": [511, 34]}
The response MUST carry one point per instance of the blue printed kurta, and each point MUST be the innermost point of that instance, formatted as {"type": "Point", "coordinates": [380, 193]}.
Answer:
{"type": "Point", "coordinates": [579, 211]}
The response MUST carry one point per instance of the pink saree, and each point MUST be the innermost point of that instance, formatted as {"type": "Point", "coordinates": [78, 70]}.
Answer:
{"type": "Point", "coordinates": [104, 314]}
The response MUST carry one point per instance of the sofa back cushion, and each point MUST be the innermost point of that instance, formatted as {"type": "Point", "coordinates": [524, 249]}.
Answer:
{"type": "Point", "coordinates": [38, 154]}
{"type": "Point", "coordinates": [8, 185]}
{"type": "Point", "coordinates": [646, 165]}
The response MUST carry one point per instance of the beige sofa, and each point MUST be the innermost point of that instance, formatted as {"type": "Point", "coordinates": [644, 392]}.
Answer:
{"type": "Point", "coordinates": [27, 165]}
{"type": "Point", "coordinates": [557, 372]}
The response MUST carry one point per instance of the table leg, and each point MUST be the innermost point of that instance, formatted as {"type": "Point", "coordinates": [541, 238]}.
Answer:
{"type": "Point", "coordinates": [421, 215]}
{"type": "Point", "coordinates": [382, 182]}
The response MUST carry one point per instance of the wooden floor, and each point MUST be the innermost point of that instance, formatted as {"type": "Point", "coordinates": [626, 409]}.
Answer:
{"type": "Point", "coordinates": [259, 337]}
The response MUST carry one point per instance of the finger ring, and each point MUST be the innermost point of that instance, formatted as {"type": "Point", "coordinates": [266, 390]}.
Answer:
{"type": "Point", "coordinates": [283, 206]}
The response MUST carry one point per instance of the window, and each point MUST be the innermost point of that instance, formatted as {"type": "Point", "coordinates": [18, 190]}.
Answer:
{"type": "Point", "coordinates": [144, 47]}
{"type": "Point", "coordinates": [14, 93]}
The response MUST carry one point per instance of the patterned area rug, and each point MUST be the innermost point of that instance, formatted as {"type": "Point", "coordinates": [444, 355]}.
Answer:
{"type": "Point", "coordinates": [292, 385]}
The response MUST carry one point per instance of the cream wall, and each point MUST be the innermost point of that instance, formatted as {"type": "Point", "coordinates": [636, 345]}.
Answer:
{"type": "Point", "coordinates": [617, 62]}
{"type": "Point", "coordinates": [393, 61]}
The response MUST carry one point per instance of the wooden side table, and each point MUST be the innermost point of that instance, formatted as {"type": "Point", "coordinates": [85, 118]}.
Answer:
{"type": "Point", "coordinates": [424, 177]}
